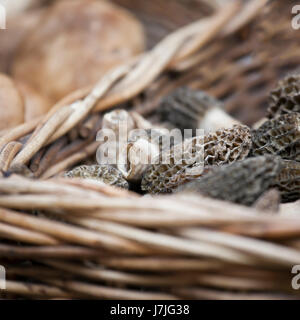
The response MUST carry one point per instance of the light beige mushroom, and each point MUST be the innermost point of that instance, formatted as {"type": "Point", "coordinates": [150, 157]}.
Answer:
{"type": "Point", "coordinates": [35, 104]}
{"type": "Point", "coordinates": [11, 104]}
{"type": "Point", "coordinates": [75, 44]}
{"type": "Point", "coordinates": [18, 26]}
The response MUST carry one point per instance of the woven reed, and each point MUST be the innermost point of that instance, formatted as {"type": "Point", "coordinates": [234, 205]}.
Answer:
{"type": "Point", "coordinates": [88, 240]}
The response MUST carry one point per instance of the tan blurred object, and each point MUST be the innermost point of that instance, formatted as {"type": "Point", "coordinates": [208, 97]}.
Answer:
{"type": "Point", "coordinates": [86, 240]}
{"type": "Point", "coordinates": [35, 104]}
{"type": "Point", "coordinates": [76, 43]}
{"type": "Point", "coordinates": [14, 7]}
{"type": "Point", "coordinates": [17, 28]}
{"type": "Point", "coordinates": [11, 104]}
{"type": "Point", "coordinates": [269, 201]}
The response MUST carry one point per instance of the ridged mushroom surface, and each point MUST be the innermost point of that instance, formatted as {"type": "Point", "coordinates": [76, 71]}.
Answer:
{"type": "Point", "coordinates": [288, 181]}
{"type": "Point", "coordinates": [217, 148]}
{"type": "Point", "coordinates": [285, 98]}
{"type": "Point", "coordinates": [279, 136]}
{"type": "Point", "coordinates": [105, 173]}
{"type": "Point", "coordinates": [241, 182]}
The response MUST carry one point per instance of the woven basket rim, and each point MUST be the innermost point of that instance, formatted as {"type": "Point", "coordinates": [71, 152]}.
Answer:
{"type": "Point", "coordinates": [123, 232]}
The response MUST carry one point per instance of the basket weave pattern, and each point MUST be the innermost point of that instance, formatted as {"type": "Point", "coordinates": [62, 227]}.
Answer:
{"type": "Point", "coordinates": [62, 238]}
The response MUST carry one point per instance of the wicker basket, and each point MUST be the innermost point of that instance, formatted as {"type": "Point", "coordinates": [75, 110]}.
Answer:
{"type": "Point", "coordinates": [85, 240]}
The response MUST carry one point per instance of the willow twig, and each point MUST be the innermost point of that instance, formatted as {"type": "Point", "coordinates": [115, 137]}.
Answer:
{"type": "Point", "coordinates": [71, 233]}
{"type": "Point", "coordinates": [36, 159]}
{"type": "Point", "coordinates": [19, 234]}
{"type": "Point", "coordinates": [88, 127]}
{"type": "Point", "coordinates": [100, 187]}
{"type": "Point", "coordinates": [240, 283]}
{"type": "Point", "coordinates": [161, 264]}
{"type": "Point", "coordinates": [19, 131]}
{"type": "Point", "coordinates": [57, 252]}
{"type": "Point", "coordinates": [50, 155]}
{"type": "Point", "coordinates": [46, 131]}
{"type": "Point", "coordinates": [248, 12]}
{"type": "Point", "coordinates": [35, 290]}
{"type": "Point", "coordinates": [8, 153]}
{"type": "Point", "coordinates": [118, 277]}
{"type": "Point", "coordinates": [275, 253]}
{"type": "Point", "coordinates": [201, 293]}
{"type": "Point", "coordinates": [163, 241]}
{"type": "Point", "coordinates": [106, 292]}
{"type": "Point", "coordinates": [68, 162]}
{"type": "Point", "coordinates": [71, 149]}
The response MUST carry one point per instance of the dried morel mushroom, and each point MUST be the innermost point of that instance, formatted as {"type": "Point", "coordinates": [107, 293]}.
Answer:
{"type": "Point", "coordinates": [220, 147]}
{"type": "Point", "coordinates": [104, 173]}
{"type": "Point", "coordinates": [227, 145]}
{"type": "Point", "coordinates": [136, 143]}
{"type": "Point", "coordinates": [286, 97]}
{"type": "Point", "coordinates": [192, 109]}
{"type": "Point", "coordinates": [288, 181]}
{"type": "Point", "coordinates": [75, 44]}
{"type": "Point", "coordinates": [182, 163]}
{"type": "Point", "coordinates": [241, 182]}
{"type": "Point", "coordinates": [11, 104]}
{"type": "Point", "coordinates": [279, 136]}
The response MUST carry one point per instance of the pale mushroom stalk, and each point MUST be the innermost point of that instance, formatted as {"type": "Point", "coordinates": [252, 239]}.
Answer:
{"type": "Point", "coordinates": [185, 108]}
{"type": "Point", "coordinates": [137, 142]}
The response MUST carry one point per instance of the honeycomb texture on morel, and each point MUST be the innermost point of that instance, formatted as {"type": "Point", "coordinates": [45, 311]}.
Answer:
{"type": "Point", "coordinates": [241, 182]}
{"type": "Point", "coordinates": [279, 136]}
{"type": "Point", "coordinates": [288, 181]}
{"type": "Point", "coordinates": [227, 145]}
{"type": "Point", "coordinates": [105, 173]}
{"type": "Point", "coordinates": [174, 167]}
{"type": "Point", "coordinates": [185, 107]}
{"type": "Point", "coordinates": [285, 98]}
{"type": "Point", "coordinates": [217, 148]}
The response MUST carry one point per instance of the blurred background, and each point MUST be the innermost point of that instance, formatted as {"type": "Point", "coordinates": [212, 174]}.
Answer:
{"type": "Point", "coordinates": [49, 60]}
